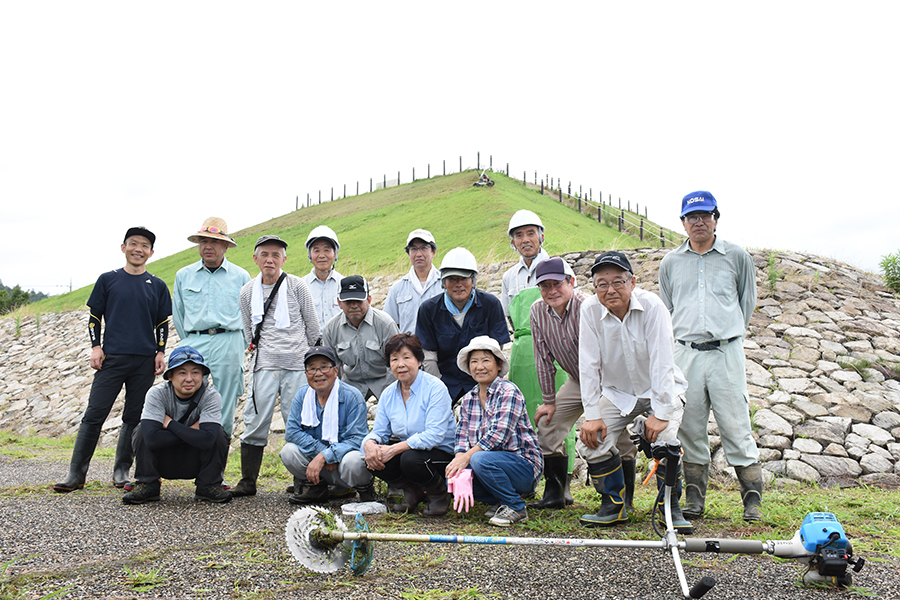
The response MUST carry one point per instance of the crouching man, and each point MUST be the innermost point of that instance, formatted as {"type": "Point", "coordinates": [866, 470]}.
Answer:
{"type": "Point", "coordinates": [180, 435]}
{"type": "Point", "coordinates": [324, 433]}
{"type": "Point", "coordinates": [627, 368]}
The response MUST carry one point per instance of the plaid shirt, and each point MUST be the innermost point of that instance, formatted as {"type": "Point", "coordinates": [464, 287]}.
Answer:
{"type": "Point", "coordinates": [555, 339]}
{"type": "Point", "coordinates": [501, 425]}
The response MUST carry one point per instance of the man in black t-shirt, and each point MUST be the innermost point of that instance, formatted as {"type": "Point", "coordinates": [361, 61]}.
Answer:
{"type": "Point", "coordinates": [136, 307]}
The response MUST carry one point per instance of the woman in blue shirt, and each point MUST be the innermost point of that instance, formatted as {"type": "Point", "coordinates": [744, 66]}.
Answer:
{"type": "Point", "coordinates": [412, 439]}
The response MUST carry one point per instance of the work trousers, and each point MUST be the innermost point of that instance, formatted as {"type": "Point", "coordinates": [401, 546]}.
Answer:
{"type": "Point", "coordinates": [616, 423]}
{"type": "Point", "coordinates": [351, 473]}
{"type": "Point", "coordinates": [552, 435]}
{"type": "Point", "coordinates": [416, 466]}
{"type": "Point", "coordinates": [180, 461]}
{"type": "Point", "coordinates": [717, 381]}
{"type": "Point", "coordinates": [135, 372]}
{"type": "Point", "coordinates": [223, 353]}
{"type": "Point", "coordinates": [266, 386]}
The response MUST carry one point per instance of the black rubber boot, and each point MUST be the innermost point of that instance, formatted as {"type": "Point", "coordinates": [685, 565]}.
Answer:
{"type": "Point", "coordinates": [696, 480]}
{"type": "Point", "coordinates": [412, 496]}
{"type": "Point", "coordinates": [124, 456]}
{"type": "Point", "coordinates": [311, 493]}
{"type": "Point", "coordinates": [251, 460]}
{"type": "Point", "coordinates": [609, 481]}
{"type": "Point", "coordinates": [437, 499]}
{"type": "Point", "coordinates": [555, 481]}
{"type": "Point", "coordinates": [680, 524]}
{"type": "Point", "coordinates": [85, 444]}
{"type": "Point", "coordinates": [628, 471]}
{"type": "Point", "coordinates": [751, 482]}
{"type": "Point", "coordinates": [367, 492]}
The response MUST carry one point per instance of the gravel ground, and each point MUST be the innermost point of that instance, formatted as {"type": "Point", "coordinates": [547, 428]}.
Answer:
{"type": "Point", "coordinates": [89, 539]}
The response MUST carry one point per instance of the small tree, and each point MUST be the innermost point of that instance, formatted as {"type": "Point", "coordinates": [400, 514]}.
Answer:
{"type": "Point", "coordinates": [890, 270]}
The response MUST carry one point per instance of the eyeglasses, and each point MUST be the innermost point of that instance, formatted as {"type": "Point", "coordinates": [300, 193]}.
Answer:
{"type": "Point", "coordinates": [552, 284]}
{"type": "Point", "coordinates": [412, 249]}
{"type": "Point", "coordinates": [693, 218]}
{"type": "Point", "coordinates": [618, 284]}
{"type": "Point", "coordinates": [318, 370]}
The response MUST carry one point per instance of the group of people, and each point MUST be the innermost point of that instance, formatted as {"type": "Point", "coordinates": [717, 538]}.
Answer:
{"type": "Point", "coordinates": [318, 349]}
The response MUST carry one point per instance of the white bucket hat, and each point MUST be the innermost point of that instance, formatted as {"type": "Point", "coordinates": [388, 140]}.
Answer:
{"type": "Point", "coordinates": [482, 342]}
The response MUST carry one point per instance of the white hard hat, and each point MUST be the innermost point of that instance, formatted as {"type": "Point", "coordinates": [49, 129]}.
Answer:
{"type": "Point", "coordinates": [323, 231]}
{"type": "Point", "coordinates": [459, 262]}
{"type": "Point", "coordinates": [522, 218]}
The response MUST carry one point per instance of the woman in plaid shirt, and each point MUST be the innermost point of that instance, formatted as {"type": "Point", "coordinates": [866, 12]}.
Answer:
{"type": "Point", "coordinates": [494, 436]}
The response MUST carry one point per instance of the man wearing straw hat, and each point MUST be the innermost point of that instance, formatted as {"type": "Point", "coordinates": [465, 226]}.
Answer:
{"type": "Point", "coordinates": [207, 316]}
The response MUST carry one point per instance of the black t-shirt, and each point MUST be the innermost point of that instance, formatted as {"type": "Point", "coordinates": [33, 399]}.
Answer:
{"type": "Point", "coordinates": [133, 306]}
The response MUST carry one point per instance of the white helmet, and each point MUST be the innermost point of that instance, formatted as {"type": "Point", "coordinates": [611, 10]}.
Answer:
{"type": "Point", "coordinates": [522, 218]}
{"type": "Point", "coordinates": [459, 262]}
{"type": "Point", "coordinates": [320, 232]}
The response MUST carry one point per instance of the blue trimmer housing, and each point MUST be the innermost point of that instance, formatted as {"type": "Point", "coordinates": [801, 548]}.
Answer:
{"type": "Point", "coordinates": [817, 530]}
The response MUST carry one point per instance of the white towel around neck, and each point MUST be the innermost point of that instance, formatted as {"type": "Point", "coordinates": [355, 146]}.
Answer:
{"type": "Point", "coordinates": [282, 316]}
{"type": "Point", "coordinates": [309, 416]}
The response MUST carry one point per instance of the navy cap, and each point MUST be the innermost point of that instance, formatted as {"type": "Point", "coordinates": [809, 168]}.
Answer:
{"type": "Point", "coordinates": [550, 268]}
{"type": "Point", "coordinates": [353, 288]}
{"type": "Point", "coordinates": [321, 351]}
{"type": "Point", "coordinates": [697, 202]}
{"type": "Point", "coordinates": [616, 259]}
{"type": "Point", "coordinates": [270, 239]}
{"type": "Point", "coordinates": [142, 231]}
{"type": "Point", "coordinates": [184, 354]}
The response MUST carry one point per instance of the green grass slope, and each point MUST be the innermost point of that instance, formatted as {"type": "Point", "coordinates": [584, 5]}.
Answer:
{"type": "Point", "coordinates": [372, 229]}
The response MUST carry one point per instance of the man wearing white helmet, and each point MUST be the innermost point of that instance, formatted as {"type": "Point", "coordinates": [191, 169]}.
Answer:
{"type": "Point", "coordinates": [421, 283]}
{"type": "Point", "coordinates": [526, 235]}
{"type": "Point", "coordinates": [519, 292]}
{"type": "Point", "coordinates": [323, 280]}
{"type": "Point", "coordinates": [447, 323]}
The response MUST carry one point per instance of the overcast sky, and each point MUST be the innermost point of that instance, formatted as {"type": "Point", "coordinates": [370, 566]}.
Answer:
{"type": "Point", "coordinates": [162, 114]}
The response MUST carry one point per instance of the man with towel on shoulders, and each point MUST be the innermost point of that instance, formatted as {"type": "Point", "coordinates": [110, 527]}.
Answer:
{"type": "Point", "coordinates": [324, 433]}
{"type": "Point", "coordinates": [280, 330]}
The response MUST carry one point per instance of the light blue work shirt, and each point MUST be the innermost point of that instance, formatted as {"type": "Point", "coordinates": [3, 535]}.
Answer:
{"type": "Point", "coordinates": [425, 421]}
{"type": "Point", "coordinates": [207, 300]}
{"type": "Point", "coordinates": [712, 295]}
{"type": "Point", "coordinates": [407, 293]}
{"type": "Point", "coordinates": [324, 295]}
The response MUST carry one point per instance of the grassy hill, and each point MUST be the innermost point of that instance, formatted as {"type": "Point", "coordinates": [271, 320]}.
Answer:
{"type": "Point", "coordinates": [372, 229]}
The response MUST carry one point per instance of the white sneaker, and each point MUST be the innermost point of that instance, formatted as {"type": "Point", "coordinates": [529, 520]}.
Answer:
{"type": "Point", "coordinates": [506, 517]}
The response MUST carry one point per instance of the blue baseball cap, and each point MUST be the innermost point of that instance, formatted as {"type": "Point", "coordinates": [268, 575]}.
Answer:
{"type": "Point", "coordinates": [697, 202]}
{"type": "Point", "coordinates": [185, 354]}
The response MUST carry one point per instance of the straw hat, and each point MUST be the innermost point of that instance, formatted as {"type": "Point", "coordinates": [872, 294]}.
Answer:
{"type": "Point", "coordinates": [214, 228]}
{"type": "Point", "coordinates": [482, 342]}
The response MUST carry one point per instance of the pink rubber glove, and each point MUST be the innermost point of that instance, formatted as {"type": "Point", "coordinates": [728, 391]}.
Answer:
{"type": "Point", "coordinates": [461, 486]}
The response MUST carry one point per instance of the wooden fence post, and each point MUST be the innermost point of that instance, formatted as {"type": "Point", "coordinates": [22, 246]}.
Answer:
{"type": "Point", "coordinates": [600, 212]}
{"type": "Point", "coordinates": [579, 204]}
{"type": "Point", "coordinates": [460, 163]}
{"type": "Point", "coordinates": [398, 178]}
{"type": "Point", "coordinates": [542, 187]}
{"type": "Point", "coordinates": [621, 220]}
{"type": "Point", "coordinates": [357, 187]}
{"type": "Point", "coordinates": [307, 199]}
{"type": "Point", "coordinates": [642, 229]}
{"type": "Point", "coordinates": [370, 185]}
{"type": "Point", "coordinates": [560, 193]}
{"type": "Point", "coordinates": [332, 193]}
{"type": "Point", "coordinates": [414, 174]}
{"type": "Point", "coordinates": [429, 170]}
{"type": "Point", "coordinates": [478, 161]}
{"type": "Point", "coordinates": [662, 238]}
{"type": "Point", "coordinates": [445, 166]}
{"type": "Point", "coordinates": [384, 185]}
{"type": "Point", "coordinates": [297, 202]}
{"type": "Point", "coordinates": [523, 178]}
{"type": "Point", "coordinates": [320, 196]}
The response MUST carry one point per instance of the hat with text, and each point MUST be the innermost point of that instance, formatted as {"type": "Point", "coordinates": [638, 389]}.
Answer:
{"type": "Point", "coordinates": [213, 228]}
{"type": "Point", "coordinates": [141, 231]}
{"type": "Point", "coordinates": [270, 239]}
{"type": "Point", "coordinates": [182, 355]}
{"type": "Point", "coordinates": [616, 259]}
{"type": "Point", "coordinates": [420, 234]}
{"type": "Point", "coordinates": [354, 287]}
{"type": "Point", "coordinates": [697, 202]}
{"type": "Point", "coordinates": [321, 351]}
{"type": "Point", "coordinates": [552, 268]}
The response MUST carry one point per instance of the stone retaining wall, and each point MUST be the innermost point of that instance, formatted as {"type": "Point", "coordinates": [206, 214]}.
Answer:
{"type": "Point", "coordinates": [820, 413]}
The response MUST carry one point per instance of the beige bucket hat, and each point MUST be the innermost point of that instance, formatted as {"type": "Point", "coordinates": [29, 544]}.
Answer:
{"type": "Point", "coordinates": [482, 342]}
{"type": "Point", "coordinates": [214, 228]}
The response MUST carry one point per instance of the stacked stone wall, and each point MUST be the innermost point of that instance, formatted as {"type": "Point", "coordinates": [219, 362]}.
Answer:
{"type": "Point", "coordinates": [821, 411]}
